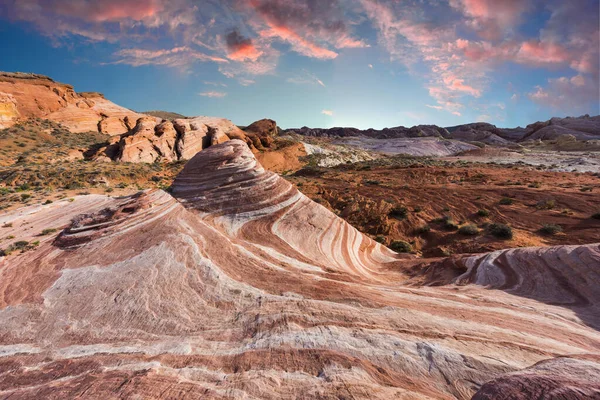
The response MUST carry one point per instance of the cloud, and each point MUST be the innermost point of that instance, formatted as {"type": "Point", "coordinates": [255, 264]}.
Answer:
{"type": "Point", "coordinates": [434, 107]}
{"type": "Point", "coordinates": [492, 18]}
{"type": "Point", "coordinates": [213, 94]}
{"type": "Point", "coordinates": [246, 82]}
{"type": "Point", "coordinates": [241, 48]}
{"type": "Point", "coordinates": [215, 83]}
{"type": "Point", "coordinates": [327, 112]}
{"type": "Point", "coordinates": [567, 94]}
{"type": "Point", "coordinates": [306, 78]}
{"type": "Point", "coordinates": [311, 28]}
{"type": "Point", "coordinates": [371, 66]}
{"type": "Point", "coordinates": [176, 57]}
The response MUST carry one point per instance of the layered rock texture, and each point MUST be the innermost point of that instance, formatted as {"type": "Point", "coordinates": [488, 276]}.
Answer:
{"type": "Point", "coordinates": [24, 96]}
{"type": "Point", "coordinates": [180, 139]}
{"type": "Point", "coordinates": [239, 286]}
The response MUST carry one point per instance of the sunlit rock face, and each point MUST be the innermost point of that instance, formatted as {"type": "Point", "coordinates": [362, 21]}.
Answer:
{"type": "Point", "coordinates": [238, 286]}
{"type": "Point", "coordinates": [24, 96]}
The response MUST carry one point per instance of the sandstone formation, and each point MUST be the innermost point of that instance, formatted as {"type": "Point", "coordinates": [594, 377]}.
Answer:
{"type": "Point", "coordinates": [24, 96]}
{"type": "Point", "coordinates": [180, 139]}
{"type": "Point", "coordinates": [239, 286]}
{"type": "Point", "coordinates": [262, 132]}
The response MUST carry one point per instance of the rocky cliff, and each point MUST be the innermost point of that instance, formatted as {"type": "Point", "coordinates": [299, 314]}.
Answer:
{"type": "Point", "coordinates": [239, 286]}
{"type": "Point", "coordinates": [24, 96]}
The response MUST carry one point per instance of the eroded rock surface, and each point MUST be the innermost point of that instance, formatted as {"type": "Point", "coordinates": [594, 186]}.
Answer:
{"type": "Point", "coordinates": [239, 286]}
{"type": "Point", "coordinates": [24, 96]}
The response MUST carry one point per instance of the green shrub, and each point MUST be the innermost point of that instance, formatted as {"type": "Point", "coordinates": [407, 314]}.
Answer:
{"type": "Point", "coordinates": [501, 231]}
{"type": "Point", "coordinates": [483, 213]}
{"type": "Point", "coordinates": [380, 239]}
{"type": "Point", "coordinates": [547, 204]}
{"type": "Point", "coordinates": [399, 212]}
{"type": "Point", "coordinates": [506, 201]}
{"type": "Point", "coordinates": [400, 246]}
{"type": "Point", "coordinates": [551, 229]}
{"type": "Point", "coordinates": [423, 230]}
{"type": "Point", "coordinates": [47, 231]}
{"type": "Point", "coordinates": [469, 230]}
{"type": "Point", "coordinates": [25, 196]}
{"type": "Point", "coordinates": [450, 225]}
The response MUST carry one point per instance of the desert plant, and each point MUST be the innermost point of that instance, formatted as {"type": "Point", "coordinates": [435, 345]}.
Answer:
{"type": "Point", "coordinates": [380, 239]}
{"type": "Point", "coordinates": [501, 231]}
{"type": "Point", "coordinates": [469, 230]}
{"type": "Point", "coordinates": [423, 229]}
{"type": "Point", "coordinates": [551, 229]}
{"type": "Point", "coordinates": [399, 212]}
{"type": "Point", "coordinates": [483, 213]}
{"type": "Point", "coordinates": [547, 204]}
{"type": "Point", "coordinates": [47, 231]}
{"type": "Point", "coordinates": [450, 225]}
{"type": "Point", "coordinates": [400, 246]}
{"type": "Point", "coordinates": [506, 201]}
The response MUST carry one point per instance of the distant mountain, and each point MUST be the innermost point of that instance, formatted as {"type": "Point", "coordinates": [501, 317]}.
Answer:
{"type": "Point", "coordinates": [386, 133]}
{"type": "Point", "coordinates": [581, 128]}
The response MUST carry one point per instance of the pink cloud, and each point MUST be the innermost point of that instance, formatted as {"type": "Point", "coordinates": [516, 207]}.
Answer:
{"type": "Point", "coordinates": [299, 44]}
{"type": "Point", "coordinates": [567, 94]}
{"type": "Point", "coordinates": [491, 18]}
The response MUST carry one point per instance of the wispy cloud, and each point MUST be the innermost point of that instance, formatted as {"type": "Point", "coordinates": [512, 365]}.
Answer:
{"type": "Point", "coordinates": [306, 78]}
{"type": "Point", "coordinates": [213, 94]}
{"type": "Point", "coordinates": [327, 112]}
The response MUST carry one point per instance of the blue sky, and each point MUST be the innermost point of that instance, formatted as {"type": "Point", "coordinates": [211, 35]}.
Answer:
{"type": "Point", "coordinates": [362, 63]}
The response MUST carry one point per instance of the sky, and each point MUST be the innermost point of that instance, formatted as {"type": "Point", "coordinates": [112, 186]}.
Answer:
{"type": "Point", "coordinates": [360, 63]}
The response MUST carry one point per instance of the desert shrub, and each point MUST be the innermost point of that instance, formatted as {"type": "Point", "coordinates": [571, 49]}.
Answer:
{"type": "Point", "coordinates": [20, 245]}
{"type": "Point", "coordinates": [371, 182]}
{"type": "Point", "coordinates": [47, 202]}
{"type": "Point", "coordinates": [501, 231]}
{"type": "Point", "coordinates": [417, 209]}
{"type": "Point", "coordinates": [469, 230]}
{"type": "Point", "coordinates": [535, 185]}
{"type": "Point", "coordinates": [483, 213]}
{"type": "Point", "coordinates": [506, 201]}
{"type": "Point", "coordinates": [380, 239]}
{"type": "Point", "coordinates": [47, 231]}
{"type": "Point", "coordinates": [423, 229]}
{"type": "Point", "coordinates": [399, 212]}
{"type": "Point", "coordinates": [450, 225]}
{"type": "Point", "coordinates": [547, 204]}
{"type": "Point", "coordinates": [400, 246]}
{"type": "Point", "coordinates": [25, 196]}
{"type": "Point", "coordinates": [551, 229]}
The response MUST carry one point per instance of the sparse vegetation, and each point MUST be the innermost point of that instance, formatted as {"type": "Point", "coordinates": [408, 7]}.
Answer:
{"type": "Point", "coordinates": [423, 229]}
{"type": "Point", "coordinates": [551, 229]}
{"type": "Point", "coordinates": [483, 213]}
{"type": "Point", "coordinates": [501, 231]}
{"type": "Point", "coordinates": [469, 230]}
{"type": "Point", "coordinates": [399, 212]}
{"type": "Point", "coordinates": [506, 201]}
{"type": "Point", "coordinates": [47, 231]}
{"type": "Point", "coordinates": [547, 204]}
{"type": "Point", "coordinates": [400, 246]}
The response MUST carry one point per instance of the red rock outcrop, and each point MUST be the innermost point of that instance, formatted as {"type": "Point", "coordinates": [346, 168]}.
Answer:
{"type": "Point", "coordinates": [177, 140]}
{"type": "Point", "coordinates": [239, 286]}
{"type": "Point", "coordinates": [24, 96]}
